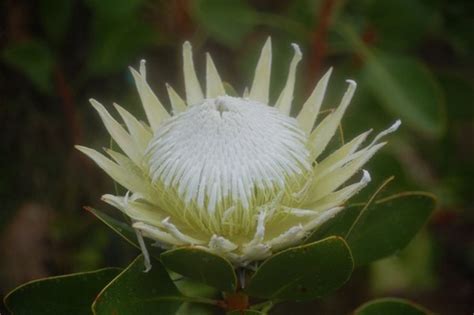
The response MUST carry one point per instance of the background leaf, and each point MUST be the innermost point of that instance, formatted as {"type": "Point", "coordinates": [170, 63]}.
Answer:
{"type": "Point", "coordinates": [407, 89]}
{"type": "Point", "coordinates": [303, 272]}
{"type": "Point", "coordinates": [226, 21]}
{"type": "Point", "coordinates": [55, 28]}
{"type": "Point", "coordinates": [34, 59]}
{"type": "Point", "coordinates": [69, 294]}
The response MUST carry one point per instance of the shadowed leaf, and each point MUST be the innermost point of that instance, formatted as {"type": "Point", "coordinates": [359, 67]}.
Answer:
{"type": "Point", "coordinates": [69, 294]}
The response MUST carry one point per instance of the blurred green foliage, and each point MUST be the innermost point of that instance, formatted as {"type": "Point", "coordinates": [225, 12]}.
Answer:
{"type": "Point", "coordinates": [412, 60]}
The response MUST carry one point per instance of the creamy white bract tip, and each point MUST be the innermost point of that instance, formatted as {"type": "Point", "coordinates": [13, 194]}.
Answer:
{"type": "Point", "coordinates": [236, 176]}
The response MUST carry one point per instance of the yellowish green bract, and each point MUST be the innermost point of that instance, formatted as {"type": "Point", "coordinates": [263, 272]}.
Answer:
{"type": "Point", "coordinates": [236, 176]}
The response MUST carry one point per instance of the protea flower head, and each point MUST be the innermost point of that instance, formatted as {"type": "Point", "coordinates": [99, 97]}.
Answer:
{"type": "Point", "coordinates": [237, 176]}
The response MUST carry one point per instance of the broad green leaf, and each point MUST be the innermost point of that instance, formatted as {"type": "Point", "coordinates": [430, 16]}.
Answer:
{"type": "Point", "coordinates": [390, 306]}
{"type": "Point", "coordinates": [200, 265]}
{"type": "Point", "coordinates": [125, 231]}
{"type": "Point", "coordinates": [69, 294]}
{"type": "Point", "coordinates": [226, 21]}
{"type": "Point", "coordinates": [134, 291]}
{"type": "Point", "coordinates": [388, 225]}
{"type": "Point", "coordinates": [34, 59]}
{"type": "Point", "coordinates": [246, 312]}
{"type": "Point", "coordinates": [383, 228]}
{"type": "Point", "coordinates": [303, 272]}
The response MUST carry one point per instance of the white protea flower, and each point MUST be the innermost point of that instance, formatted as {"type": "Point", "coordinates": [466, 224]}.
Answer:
{"type": "Point", "coordinates": [236, 176]}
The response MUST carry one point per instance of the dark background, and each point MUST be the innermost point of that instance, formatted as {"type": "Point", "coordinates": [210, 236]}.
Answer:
{"type": "Point", "coordinates": [412, 59]}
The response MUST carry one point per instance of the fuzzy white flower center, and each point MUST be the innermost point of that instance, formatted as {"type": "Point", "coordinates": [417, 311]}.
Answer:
{"type": "Point", "coordinates": [228, 152]}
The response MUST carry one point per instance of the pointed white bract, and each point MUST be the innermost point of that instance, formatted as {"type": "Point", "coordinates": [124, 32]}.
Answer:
{"type": "Point", "coordinates": [154, 110]}
{"type": "Point", "coordinates": [309, 111]}
{"type": "Point", "coordinates": [191, 83]}
{"type": "Point", "coordinates": [286, 96]}
{"type": "Point", "coordinates": [177, 103]}
{"type": "Point", "coordinates": [214, 86]}
{"type": "Point", "coordinates": [261, 83]}
{"type": "Point", "coordinates": [232, 175]}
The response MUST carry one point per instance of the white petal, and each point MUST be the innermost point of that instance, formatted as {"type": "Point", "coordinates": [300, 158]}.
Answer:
{"type": "Point", "coordinates": [214, 86]}
{"type": "Point", "coordinates": [260, 230]}
{"type": "Point", "coordinates": [326, 215]}
{"type": "Point", "coordinates": [191, 83]}
{"type": "Point", "coordinates": [261, 82]}
{"type": "Point", "coordinates": [246, 93]}
{"type": "Point", "coordinates": [339, 197]}
{"type": "Point", "coordinates": [173, 230]}
{"type": "Point", "coordinates": [139, 211]}
{"type": "Point", "coordinates": [288, 238]}
{"type": "Point", "coordinates": [255, 252]}
{"type": "Point", "coordinates": [123, 176]}
{"type": "Point", "coordinates": [157, 234]}
{"type": "Point", "coordinates": [221, 244]}
{"type": "Point", "coordinates": [146, 255]}
{"type": "Point", "coordinates": [286, 96]}
{"type": "Point", "coordinates": [154, 110]}
{"type": "Point", "coordinates": [336, 178]}
{"type": "Point", "coordinates": [310, 110]}
{"type": "Point", "coordinates": [116, 131]}
{"type": "Point", "coordinates": [339, 157]}
{"type": "Point", "coordinates": [177, 103]}
{"type": "Point", "coordinates": [323, 133]}
{"type": "Point", "coordinates": [141, 136]}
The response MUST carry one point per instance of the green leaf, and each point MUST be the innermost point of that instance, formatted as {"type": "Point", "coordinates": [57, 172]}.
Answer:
{"type": "Point", "coordinates": [406, 88]}
{"type": "Point", "coordinates": [134, 291]}
{"type": "Point", "coordinates": [34, 59]}
{"type": "Point", "coordinates": [383, 228]}
{"type": "Point", "coordinates": [226, 21]}
{"type": "Point", "coordinates": [303, 272]}
{"type": "Point", "coordinates": [402, 24]}
{"type": "Point", "coordinates": [69, 294]}
{"type": "Point", "coordinates": [390, 306]}
{"type": "Point", "coordinates": [200, 265]}
{"type": "Point", "coordinates": [388, 225]}
{"type": "Point", "coordinates": [125, 231]}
